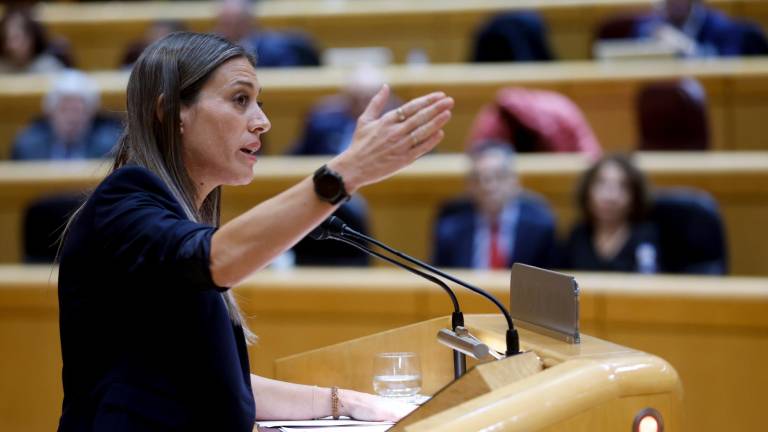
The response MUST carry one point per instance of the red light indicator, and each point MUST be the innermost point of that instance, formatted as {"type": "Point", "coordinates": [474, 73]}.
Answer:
{"type": "Point", "coordinates": [648, 424]}
{"type": "Point", "coordinates": [648, 420]}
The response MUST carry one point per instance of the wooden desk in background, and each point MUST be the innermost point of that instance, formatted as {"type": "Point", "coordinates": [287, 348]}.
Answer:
{"type": "Point", "coordinates": [99, 32]}
{"type": "Point", "coordinates": [714, 331]}
{"type": "Point", "coordinates": [402, 208]}
{"type": "Point", "coordinates": [737, 91]}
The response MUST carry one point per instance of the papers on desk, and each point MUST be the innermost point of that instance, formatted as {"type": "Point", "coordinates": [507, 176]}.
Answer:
{"type": "Point", "coordinates": [324, 425]}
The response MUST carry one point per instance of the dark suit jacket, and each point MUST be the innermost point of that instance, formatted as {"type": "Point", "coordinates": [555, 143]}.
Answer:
{"type": "Point", "coordinates": [326, 129]}
{"type": "Point", "coordinates": [146, 338]}
{"type": "Point", "coordinates": [36, 140]}
{"type": "Point", "coordinates": [718, 32]}
{"type": "Point", "coordinates": [454, 234]}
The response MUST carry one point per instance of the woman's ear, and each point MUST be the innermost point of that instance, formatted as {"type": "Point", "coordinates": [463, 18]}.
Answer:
{"type": "Point", "coordinates": [159, 108]}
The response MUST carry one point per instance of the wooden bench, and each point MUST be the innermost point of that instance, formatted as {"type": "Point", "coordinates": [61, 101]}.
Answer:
{"type": "Point", "coordinates": [402, 208]}
{"type": "Point", "coordinates": [99, 32]}
{"type": "Point", "coordinates": [737, 91]}
{"type": "Point", "coordinates": [712, 330]}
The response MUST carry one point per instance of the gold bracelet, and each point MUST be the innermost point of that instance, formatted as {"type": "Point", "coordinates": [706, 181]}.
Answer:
{"type": "Point", "coordinates": [335, 403]}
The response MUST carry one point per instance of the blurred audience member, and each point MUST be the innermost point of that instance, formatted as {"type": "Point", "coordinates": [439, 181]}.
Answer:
{"type": "Point", "coordinates": [156, 31]}
{"type": "Point", "coordinates": [329, 126]}
{"type": "Point", "coordinates": [498, 224]}
{"type": "Point", "coordinates": [512, 37]}
{"type": "Point", "coordinates": [535, 121]}
{"type": "Point", "coordinates": [310, 252]}
{"type": "Point", "coordinates": [235, 21]}
{"type": "Point", "coordinates": [613, 234]}
{"type": "Point", "coordinates": [672, 115]}
{"type": "Point", "coordinates": [700, 31]}
{"type": "Point", "coordinates": [24, 45]}
{"type": "Point", "coordinates": [70, 127]}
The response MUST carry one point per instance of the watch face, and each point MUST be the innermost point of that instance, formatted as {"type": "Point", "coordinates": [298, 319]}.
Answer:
{"type": "Point", "coordinates": [328, 186]}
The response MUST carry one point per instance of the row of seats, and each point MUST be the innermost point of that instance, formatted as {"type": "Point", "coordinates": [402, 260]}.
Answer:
{"type": "Point", "coordinates": [690, 234]}
{"type": "Point", "coordinates": [625, 106]}
{"type": "Point", "coordinates": [569, 28]}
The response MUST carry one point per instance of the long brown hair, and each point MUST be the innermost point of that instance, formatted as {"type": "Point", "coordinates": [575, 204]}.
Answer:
{"type": "Point", "coordinates": [637, 183]}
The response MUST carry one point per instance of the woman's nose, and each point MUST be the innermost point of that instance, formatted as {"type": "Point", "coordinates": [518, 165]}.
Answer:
{"type": "Point", "coordinates": [259, 123]}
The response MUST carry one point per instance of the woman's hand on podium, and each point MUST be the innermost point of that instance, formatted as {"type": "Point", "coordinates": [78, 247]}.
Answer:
{"type": "Point", "coordinates": [369, 407]}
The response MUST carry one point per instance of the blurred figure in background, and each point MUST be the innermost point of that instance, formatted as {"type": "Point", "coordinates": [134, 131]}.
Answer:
{"type": "Point", "coordinates": [156, 31]}
{"type": "Point", "coordinates": [534, 120]}
{"type": "Point", "coordinates": [498, 224]}
{"type": "Point", "coordinates": [329, 126]}
{"type": "Point", "coordinates": [701, 31]}
{"type": "Point", "coordinates": [71, 127]}
{"type": "Point", "coordinates": [235, 22]}
{"type": "Point", "coordinates": [613, 233]}
{"type": "Point", "coordinates": [25, 48]}
{"type": "Point", "coordinates": [512, 37]}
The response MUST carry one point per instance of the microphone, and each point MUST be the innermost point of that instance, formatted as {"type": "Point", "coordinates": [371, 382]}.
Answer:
{"type": "Point", "coordinates": [333, 227]}
{"type": "Point", "coordinates": [324, 231]}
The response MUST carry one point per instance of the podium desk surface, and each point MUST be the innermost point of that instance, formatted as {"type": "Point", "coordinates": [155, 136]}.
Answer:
{"type": "Point", "coordinates": [577, 384]}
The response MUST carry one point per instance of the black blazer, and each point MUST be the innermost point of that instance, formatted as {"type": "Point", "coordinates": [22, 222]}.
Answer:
{"type": "Point", "coordinates": [454, 234]}
{"type": "Point", "coordinates": [146, 339]}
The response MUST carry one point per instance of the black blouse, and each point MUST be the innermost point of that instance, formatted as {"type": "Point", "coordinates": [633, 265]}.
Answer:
{"type": "Point", "coordinates": [146, 338]}
{"type": "Point", "coordinates": [638, 254]}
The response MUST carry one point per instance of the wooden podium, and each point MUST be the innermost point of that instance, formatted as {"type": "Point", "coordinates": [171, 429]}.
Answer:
{"type": "Point", "coordinates": [555, 386]}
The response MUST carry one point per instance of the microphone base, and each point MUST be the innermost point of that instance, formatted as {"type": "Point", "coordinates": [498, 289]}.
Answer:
{"type": "Point", "coordinates": [513, 343]}
{"type": "Point", "coordinates": [459, 358]}
{"type": "Point", "coordinates": [459, 364]}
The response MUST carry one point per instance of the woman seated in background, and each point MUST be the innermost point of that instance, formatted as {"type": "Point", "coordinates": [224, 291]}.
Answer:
{"type": "Point", "coordinates": [613, 233]}
{"type": "Point", "coordinates": [24, 45]}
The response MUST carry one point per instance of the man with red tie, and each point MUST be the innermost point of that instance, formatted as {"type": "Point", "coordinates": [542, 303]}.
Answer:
{"type": "Point", "coordinates": [498, 224]}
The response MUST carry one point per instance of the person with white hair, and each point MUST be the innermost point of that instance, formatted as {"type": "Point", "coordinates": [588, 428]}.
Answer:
{"type": "Point", "coordinates": [70, 127]}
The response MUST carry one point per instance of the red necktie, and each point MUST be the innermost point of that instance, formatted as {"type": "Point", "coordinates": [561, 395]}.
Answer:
{"type": "Point", "coordinates": [497, 260]}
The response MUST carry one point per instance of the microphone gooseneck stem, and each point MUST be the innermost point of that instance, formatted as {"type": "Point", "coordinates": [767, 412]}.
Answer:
{"type": "Point", "coordinates": [512, 338]}
{"type": "Point", "coordinates": [429, 277]}
{"type": "Point", "coordinates": [457, 318]}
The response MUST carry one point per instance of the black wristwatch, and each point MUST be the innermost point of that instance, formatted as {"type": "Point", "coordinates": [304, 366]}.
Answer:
{"type": "Point", "coordinates": [329, 186]}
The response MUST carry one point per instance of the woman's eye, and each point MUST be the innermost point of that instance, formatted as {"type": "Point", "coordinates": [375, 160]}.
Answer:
{"type": "Point", "coordinates": [260, 103]}
{"type": "Point", "coordinates": [242, 100]}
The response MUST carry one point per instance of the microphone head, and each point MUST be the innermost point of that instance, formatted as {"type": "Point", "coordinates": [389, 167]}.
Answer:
{"type": "Point", "coordinates": [319, 233]}
{"type": "Point", "coordinates": [331, 227]}
{"type": "Point", "coordinates": [335, 226]}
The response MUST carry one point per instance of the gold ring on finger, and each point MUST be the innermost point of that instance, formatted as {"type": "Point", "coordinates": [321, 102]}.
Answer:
{"type": "Point", "coordinates": [414, 141]}
{"type": "Point", "coordinates": [400, 114]}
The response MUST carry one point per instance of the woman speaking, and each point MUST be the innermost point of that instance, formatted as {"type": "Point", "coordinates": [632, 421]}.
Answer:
{"type": "Point", "coordinates": [151, 336]}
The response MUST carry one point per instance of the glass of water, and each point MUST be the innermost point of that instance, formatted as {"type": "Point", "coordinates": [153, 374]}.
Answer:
{"type": "Point", "coordinates": [397, 374]}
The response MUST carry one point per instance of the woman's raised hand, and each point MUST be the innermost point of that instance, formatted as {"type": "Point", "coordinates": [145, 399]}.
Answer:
{"type": "Point", "coordinates": [383, 144]}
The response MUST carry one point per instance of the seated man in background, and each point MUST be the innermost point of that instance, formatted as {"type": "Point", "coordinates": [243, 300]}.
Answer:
{"type": "Point", "coordinates": [154, 32]}
{"type": "Point", "coordinates": [70, 127]}
{"type": "Point", "coordinates": [499, 224]}
{"type": "Point", "coordinates": [701, 31]}
{"type": "Point", "coordinates": [235, 22]}
{"type": "Point", "coordinates": [329, 126]}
